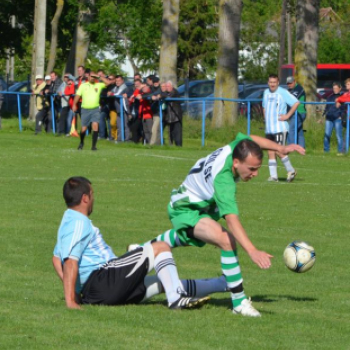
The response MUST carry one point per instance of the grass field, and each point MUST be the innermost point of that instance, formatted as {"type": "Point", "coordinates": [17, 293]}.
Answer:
{"type": "Point", "coordinates": [132, 185]}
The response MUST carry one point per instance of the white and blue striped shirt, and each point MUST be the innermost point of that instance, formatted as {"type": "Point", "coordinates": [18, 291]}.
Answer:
{"type": "Point", "coordinates": [275, 104]}
{"type": "Point", "coordinates": [79, 239]}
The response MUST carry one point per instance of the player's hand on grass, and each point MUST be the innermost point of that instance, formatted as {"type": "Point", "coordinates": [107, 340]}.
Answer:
{"type": "Point", "coordinates": [73, 305]}
{"type": "Point", "coordinates": [262, 259]}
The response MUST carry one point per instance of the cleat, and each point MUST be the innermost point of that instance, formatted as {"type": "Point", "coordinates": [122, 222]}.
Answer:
{"type": "Point", "coordinates": [185, 302]}
{"type": "Point", "coordinates": [291, 176]}
{"type": "Point", "coordinates": [131, 247]}
{"type": "Point", "coordinates": [272, 179]}
{"type": "Point", "coordinates": [93, 149]}
{"type": "Point", "coordinates": [246, 309]}
{"type": "Point", "coordinates": [80, 147]}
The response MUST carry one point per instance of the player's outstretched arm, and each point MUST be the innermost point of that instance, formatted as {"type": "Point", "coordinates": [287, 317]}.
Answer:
{"type": "Point", "coordinates": [273, 146]}
{"type": "Point", "coordinates": [56, 261]}
{"type": "Point", "coordinates": [70, 274]}
{"type": "Point", "coordinates": [260, 258]}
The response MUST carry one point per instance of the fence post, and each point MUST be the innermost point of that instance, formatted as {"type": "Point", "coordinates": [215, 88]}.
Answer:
{"type": "Point", "coordinates": [296, 127]}
{"type": "Point", "coordinates": [19, 112]}
{"type": "Point", "coordinates": [203, 122]}
{"type": "Point", "coordinates": [248, 118]}
{"type": "Point", "coordinates": [53, 115]}
{"type": "Point", "coordinates": [161, 121]}
{"type": "Point", "coordinates": [347, 130]}
{"type": "Point", "coordinates": [121, 104]}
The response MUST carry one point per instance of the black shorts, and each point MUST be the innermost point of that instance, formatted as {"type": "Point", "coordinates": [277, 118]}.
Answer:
{"type": "Point", "coordinates": [121, 281]}
{"type": "Point", "coordinates": [279, 138]}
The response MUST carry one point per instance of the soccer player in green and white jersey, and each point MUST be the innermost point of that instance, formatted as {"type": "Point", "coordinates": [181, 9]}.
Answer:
{"type": "Point", "coordinates": [208, 194]}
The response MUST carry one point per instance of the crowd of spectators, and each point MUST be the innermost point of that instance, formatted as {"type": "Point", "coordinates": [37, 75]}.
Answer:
{"type": "Point", "coordinates": [128, 111]}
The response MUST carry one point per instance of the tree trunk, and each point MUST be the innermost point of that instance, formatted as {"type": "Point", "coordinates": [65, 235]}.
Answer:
{"type": "Point", "coordinates": [38, 56]}
{"type": "Point", "coordinates": [53, 45]}
{"type": "Point", "coordinates": [226, 83]}
{"type": "Point", "coordinates": [81, 40]}
{"type": "Point", "coordinates": [168, 48]}
{"type": "Point", "coordinates": [307, 13]}
{"type": "Point", "coordinates": [282, 37]}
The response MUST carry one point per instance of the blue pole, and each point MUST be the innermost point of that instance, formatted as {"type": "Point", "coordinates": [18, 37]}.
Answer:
{"type": "Point", "coordinates": [347, 130]}
{"type": "Point", "coordinates": [161, 121]}
{"type": "Point", "coordinates": [248, 118]}
{"type": "Point", "coordinates": [121, 104]}
{"type": "Point", "coordinates": [53, 114]}
{"type": "Point", "coordinates": [203, 122]}
{"type": "Point", "coordinates": [296, 127]}
{"type": "Point", "coordinates": [19, 112]}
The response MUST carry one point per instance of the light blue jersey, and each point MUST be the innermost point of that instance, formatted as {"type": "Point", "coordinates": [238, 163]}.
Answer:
{"type": "Point", "coordinates": [275, 104]}
{"type": "Point", "coordinates": [79, 239]}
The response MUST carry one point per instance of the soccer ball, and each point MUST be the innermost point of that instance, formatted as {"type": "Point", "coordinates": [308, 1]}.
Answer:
{"type": "Point", "coordinates": [299, 256]}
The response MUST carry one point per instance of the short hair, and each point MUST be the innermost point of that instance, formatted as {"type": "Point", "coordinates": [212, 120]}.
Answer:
{"type": "Point", "coordinates": [53, 72]}
{"type": "Point", "coordinates": [337, 83]}
{"type": "Point", "coordinates": [139, 80]}
{"type": "Point", "coordinates": [246, 147]}
{"type": "Point", "coordinates": [347, 81]}
{"type": "Point", "coordinates": [74, 189]}
{"type": "Point", "coordinates": [81, 67]}
{"type": "Point", "coordinates": [119, 77]}
{"type": "Point", "coordinates": [273, 76]}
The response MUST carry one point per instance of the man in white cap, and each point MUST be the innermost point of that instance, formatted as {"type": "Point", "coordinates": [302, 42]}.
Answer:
{"type": "Point", "coordinates": [41, 104]}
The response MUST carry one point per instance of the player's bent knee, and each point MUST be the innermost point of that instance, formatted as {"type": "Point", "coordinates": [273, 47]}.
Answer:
{"type": "Point", "coordinates": [160, 247]}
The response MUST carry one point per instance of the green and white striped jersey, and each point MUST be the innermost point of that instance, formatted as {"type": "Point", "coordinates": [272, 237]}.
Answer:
{"type": "Point", "coordinates": [210, 184]}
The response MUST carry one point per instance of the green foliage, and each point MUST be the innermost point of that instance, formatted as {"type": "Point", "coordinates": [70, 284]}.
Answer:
{"type": "Point", "coordinates": [197, 42]}
{"type": "Point", "coordinates": [259, 39]}
{"type": "Point", "coordinates": [132, 185]}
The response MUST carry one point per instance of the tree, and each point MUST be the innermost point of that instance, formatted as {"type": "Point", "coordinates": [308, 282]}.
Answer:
{"type": "Point", "coordinates": [168, 48]}
{"type": "Point", "coordinates": [307, 12]}
{"type": "Point", "coordinates": [38, 56]}
{"type": "Point", "coordinates": [282, 36]}
{"type": "Point", "coordinates": [54, 36]}
{"type": "Point", "coordinates": [81, 39]}
{"type": "Point", "coordinates": [198, 39]}
{"type": "Point", "coordinates": [226, 83]}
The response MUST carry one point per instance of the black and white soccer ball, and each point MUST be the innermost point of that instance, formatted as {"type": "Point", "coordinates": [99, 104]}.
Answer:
{"type": "Point", "coordinates": [299, 256]}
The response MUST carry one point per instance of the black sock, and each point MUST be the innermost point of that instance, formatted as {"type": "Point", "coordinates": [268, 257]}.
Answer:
{"type": "Point", "coordinates": [237, 289]}
{"type": "Point", "coordinates": [82, 136]}
{"type": "Point", "coordinates": [94, 138]}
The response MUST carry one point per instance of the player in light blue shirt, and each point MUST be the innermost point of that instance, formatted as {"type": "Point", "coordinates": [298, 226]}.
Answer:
{"type": "Point", "coordinates": [275, 102]}
{"type": "Point", "coordinates": [92, 274]}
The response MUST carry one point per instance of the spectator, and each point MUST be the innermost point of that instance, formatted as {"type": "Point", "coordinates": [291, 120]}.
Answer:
{"type": "Point", "coordinates": [173, 115]}
{"type": "Point", "coordinates": [155, 139]}
{"type": "Point", "coordinates": [298, 91]}
{"type": "Point", "coordinates": [41, 103]}
{"type": "Point", "coordinates": [108, 114]}
{"type": "Point", "coordinates": [145, 113]}
{"type": "Point", "coordinates": [275, 102]}
{"type": "Point", "coordinates": [90, 94]}
{"type": "Point", "coordinates": [122, 90]}
{"type": "Point", "coordinates": [134, 120]}
{"type": "Point", "coordinates": [333, 115]}
{"type": "Point", "coordinates": [56, 82]}
{"type": "Point", "coordinates": [138, 76]}
{"type": "Point", "coordinates": [66, 91]}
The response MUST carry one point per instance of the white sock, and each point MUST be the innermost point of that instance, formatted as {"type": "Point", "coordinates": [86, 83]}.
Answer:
{"type": "Point", "coordinates": [165, 267]}
{"type": "Point", "coordinates": [153, 287]}
{"type": "Point", "coordinates": [204, 287]}
{"type": "Point", "coordinates": [287, 164]}
{"type": "Point", "coordinates": [273, 168]}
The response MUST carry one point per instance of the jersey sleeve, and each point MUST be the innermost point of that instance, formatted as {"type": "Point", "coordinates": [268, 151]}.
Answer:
{"type": "Point", "coordinates": [225, 189]}
{"type": "Point", "coordinates": [75, 239]}
{"type": "Point", "coordinates": [290, 99]}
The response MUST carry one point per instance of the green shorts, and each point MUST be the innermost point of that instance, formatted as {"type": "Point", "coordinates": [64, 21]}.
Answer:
{"type": "Point", "coordinates": [186, 218]}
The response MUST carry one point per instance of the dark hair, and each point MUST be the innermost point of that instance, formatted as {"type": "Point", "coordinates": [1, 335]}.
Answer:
{"type": "Point", "coordinates": [119, 77]}
{"type": "Point", "coordinates": [273, 76]}
{"type": "Point", "coordinates": [138, 80]}
{"type": "Point", "coordinates": [74, 188]}
{"type": "Point", "coordinates": [337, 83]}
{"type": "Point", "coordinates": [246, 147]}
{"type": "Point", "coordinates": [81, 67]}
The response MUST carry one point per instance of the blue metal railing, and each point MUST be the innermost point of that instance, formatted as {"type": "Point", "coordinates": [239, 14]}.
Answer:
{"type": "Point", "coordinates": [203, 117]}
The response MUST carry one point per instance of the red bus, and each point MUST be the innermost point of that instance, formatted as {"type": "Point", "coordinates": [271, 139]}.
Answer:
{"type": "Point", "coordinates": [327, 73]}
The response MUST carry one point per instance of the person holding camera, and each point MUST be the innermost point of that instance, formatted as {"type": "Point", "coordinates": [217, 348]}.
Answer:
{"type": "Point", "coordinates": [90, 106]}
